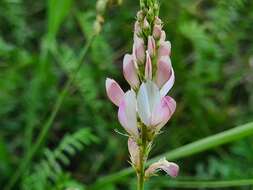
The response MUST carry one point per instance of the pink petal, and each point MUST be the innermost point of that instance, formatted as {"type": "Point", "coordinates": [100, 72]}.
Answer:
{"type": "Point", "coordinates": [167, 108]}
{"type": "Point", "coordinates": [137, 28]}
{"type": "Point", "coordinates": [163, 112]}
{"type": "Point", "coordinates": [151, 46]}
{"type": "Point", "coordinates": [169, 84]}
{"type": "Point", "coordinates": [163, 36]}
{"type": "Point", "coordinates": [127, 114]}
{"type": "Point", "coordinates": [163, 71]}
{"type": "Point", "coordinates": [139, 50]}
{"type": "Point", "coordinates": [157, 31]}
{"type": "Point", "coordinates": [170, 168]}
{"type": "Point", "coordinates": [148, 67]}
{"type": "Point", "coordinates": [134, 151]}
{"type": "Point", "coordinates": [145, 23]}
{"type": "Point", "coordinates": [164, 49]}
{"type": "Point", "coordinates": [114, 92]}
{"type": "Point", "coordinates": [130, 71]}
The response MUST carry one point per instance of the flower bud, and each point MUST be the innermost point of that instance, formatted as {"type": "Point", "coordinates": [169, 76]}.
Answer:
{"type": "Point", "coordinates": [114, 92]}
{"type": "Point", "coordinates": [140, 15]}
{"type": "Point", "coordinates": [151, 46]}
{"type": "Point", "coordinates": [139, 50]}
{"type": "Point", "coordinates": [130, 71]}
{"type": "Point", "coordinates": [163, 36]}
{"type": "Point", "coordinates": [163, 70]}
{"type": "Point", "coordinates": [137, 28]}
{"type": "Point", "coordinates": [101, 6]}
{"type": "Point", "coordinates": [148, 67]}
{"type": "Point", "coordinates": [146, 24]}
{"type": "Point", "coordinates": [164, 49]}
{"type": "Point", "coordinates": [134, 152]}
{"type": "Point", "coordinates": [158, 21]}
{"type": "Point", "coordinates": [157, 31]}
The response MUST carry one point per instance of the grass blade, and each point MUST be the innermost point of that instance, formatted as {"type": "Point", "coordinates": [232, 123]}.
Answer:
{"type": "Point", "coordinates": [207, 143]}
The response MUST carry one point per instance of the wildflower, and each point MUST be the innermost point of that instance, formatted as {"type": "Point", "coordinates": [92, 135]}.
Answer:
{"type": "Point", "coordinates": [169, 167]}
{"type": "Point", "coordinates": [145, 108]}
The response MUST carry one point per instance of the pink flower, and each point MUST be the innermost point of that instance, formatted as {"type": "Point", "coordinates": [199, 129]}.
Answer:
{"type": "Point", "coordinates": [154, 110]}
{"type": "Point", "coordinates": [170, 168]}
{"type": "Point", "coordinates": [114, 92]}
{"type": "Point", "coordinates": [130, 71]}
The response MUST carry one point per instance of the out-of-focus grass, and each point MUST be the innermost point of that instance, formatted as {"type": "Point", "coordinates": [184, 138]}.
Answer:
{"type": "Point", "coordinates": [40, 42]}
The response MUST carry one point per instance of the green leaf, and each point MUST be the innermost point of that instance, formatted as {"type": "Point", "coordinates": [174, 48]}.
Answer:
{"type": "Point", "coordinates": [202, 145]}
{"type": "Point", "coordinates": [57, 11]}
{"type": "Point", "coordinates": [202, 184]}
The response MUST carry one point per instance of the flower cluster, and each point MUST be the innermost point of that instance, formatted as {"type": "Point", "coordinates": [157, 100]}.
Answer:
{"type": "Point", "coordinates": [146, 108]}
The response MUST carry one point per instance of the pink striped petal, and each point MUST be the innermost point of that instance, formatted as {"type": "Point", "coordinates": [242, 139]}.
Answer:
{"type": "Point", "coordinates": [130, 71]}
{"type": "Point", "coordinates": [164, 112]}
{"type": "Point", "coordinates": [114, 92]}
{"type": "Point", "coordinates": [151, 46]}
{"type": "Point", "coordinates": [164, 49]}
{"type": "Point", "coordinates": [163, 71]}
{"type": "Point", "coordinates": [169, 84]}
{"type": "Point", "coordinates": [170, 168]}
{"type": "Point", "coordinates": [139, 50]}
{"type": "Point", "coordinates": [127, 113]}
{"type": "Point", "coordinates": [148, 67]}
{"type": "Point", "coordinates": [133, 151]}
{"type": "Point", "coordinates": [145, 23]}
{"type": "Point", "coordinates": [157, 31]}
{"type": "Point", "coordinates": [137, 28]}
{"type": "Point", "coordinates": [163, 36]}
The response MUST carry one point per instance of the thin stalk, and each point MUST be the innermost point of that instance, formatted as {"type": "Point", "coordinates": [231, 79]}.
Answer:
{"type": "Point", "coordinates": [45, 128]}
{"type": "Point", "coordinates": [143, 158]}
{"type": "Point", "coordinates": [201, 145]}
{"type": "Point", "coordinates": [204, 184]}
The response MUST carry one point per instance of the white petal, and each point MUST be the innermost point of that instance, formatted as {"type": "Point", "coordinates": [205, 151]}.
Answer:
{"type": "Point", "coordinates": [147, 99]}
{"type": "Point", "coordinates": [169, 84]}
{"type": "Point", "coordinates": [127, 113]}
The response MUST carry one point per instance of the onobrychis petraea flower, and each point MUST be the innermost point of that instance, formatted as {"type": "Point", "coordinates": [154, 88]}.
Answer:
{"type": "Point", "coordinates": [145, 108]}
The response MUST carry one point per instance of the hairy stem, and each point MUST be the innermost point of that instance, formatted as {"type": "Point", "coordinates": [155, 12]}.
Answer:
{"type": "Point", "coordinates": [143, 158]}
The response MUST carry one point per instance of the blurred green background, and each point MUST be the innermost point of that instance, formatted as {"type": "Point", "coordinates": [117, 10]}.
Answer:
{"type": "Point", "coordinates": [41, 44]}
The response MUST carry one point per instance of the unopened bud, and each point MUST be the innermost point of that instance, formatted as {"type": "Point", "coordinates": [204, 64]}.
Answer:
{"type": "Point", "coordinates": [146, 24]}
{"type": "Point", "coordinates": [139, 50]}
{"type": "Point", "coordinates": [148, 67]}
{"type": "Point", "coordinates": [140, 16]}
{"type": "Point", "coordinates": [137, 28]}
{"type": "Point", "coordinates": [151, 46]}
{"type": "Point", "coordinates": [157, 31]}
{"type": "Point", "coordinates": [101, 6]}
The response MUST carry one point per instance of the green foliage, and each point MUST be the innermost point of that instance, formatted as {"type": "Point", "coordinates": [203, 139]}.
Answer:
{"type": "Point", "coordinates": [41, 44]}
{"type": "Point", "coordinates": [47, 172]}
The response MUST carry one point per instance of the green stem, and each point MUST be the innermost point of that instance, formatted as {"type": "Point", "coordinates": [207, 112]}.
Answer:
{"type": "Point", "coordinates": [140, 175]}
{"type": "Point", "coordinates": [143, 158]}
{"type": "Point", "coordinates": [45, 128]}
